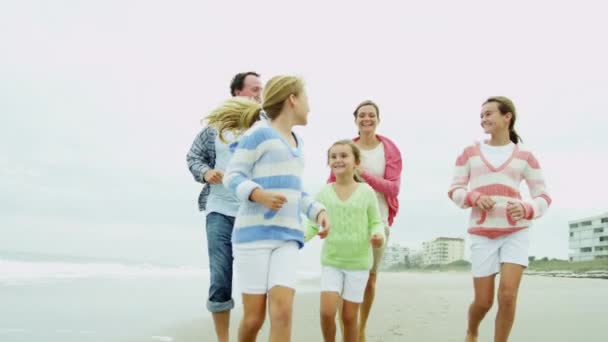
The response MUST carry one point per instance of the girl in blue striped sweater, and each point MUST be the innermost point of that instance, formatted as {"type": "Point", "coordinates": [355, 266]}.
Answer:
{"type": "Point", "coordinates": [265, 174]}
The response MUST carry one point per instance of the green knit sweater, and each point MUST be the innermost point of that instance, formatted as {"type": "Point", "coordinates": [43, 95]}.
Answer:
{"type": "Point", "coordinates": [353, 222]}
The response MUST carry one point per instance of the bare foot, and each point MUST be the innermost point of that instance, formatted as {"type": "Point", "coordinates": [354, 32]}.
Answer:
{"type": "Point", "coordinates": [470, 338]}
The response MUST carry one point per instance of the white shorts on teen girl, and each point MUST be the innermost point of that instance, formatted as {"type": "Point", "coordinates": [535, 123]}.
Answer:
{"type": "Point", "coordinates": [487, 255]}
{"type": "Point", "coordinates": [350, 285]}
{"type": "Point", "coordinates": [261, 265]}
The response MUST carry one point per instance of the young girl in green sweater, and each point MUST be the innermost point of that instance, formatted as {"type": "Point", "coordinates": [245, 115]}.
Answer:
{"type": "Point", "coordinates": [347, 257]}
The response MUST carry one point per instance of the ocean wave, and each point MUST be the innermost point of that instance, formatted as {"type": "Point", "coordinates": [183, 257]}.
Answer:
{"type": "Point", "coordinates": [16, 270]}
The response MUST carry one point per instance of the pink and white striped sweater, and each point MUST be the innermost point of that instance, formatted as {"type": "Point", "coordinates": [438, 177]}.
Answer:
{"type": "Point", "coordinates": [474, 176]}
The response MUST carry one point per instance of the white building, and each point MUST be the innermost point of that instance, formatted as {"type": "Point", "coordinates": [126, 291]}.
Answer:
{"type": "Point", "coordinates": [416, 258]}
{"type": "Point", "coordinates": [589, 238]}
{"type": "Point", "coordinates": [394, 254]}
{"type": "Point", "coordinates": [442, 250]}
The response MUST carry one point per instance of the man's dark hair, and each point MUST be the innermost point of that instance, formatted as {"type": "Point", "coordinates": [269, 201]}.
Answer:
{"type": "Point", "coordinates": [238, 80]}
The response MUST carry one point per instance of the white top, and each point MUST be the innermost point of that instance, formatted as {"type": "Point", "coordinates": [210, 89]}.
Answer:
{"type": "Point", "coordinates": [220, 199]}
{"type": "Point", "coordinates": [497, 155]}
{"type": "Point", "coordinates": [374, 162]}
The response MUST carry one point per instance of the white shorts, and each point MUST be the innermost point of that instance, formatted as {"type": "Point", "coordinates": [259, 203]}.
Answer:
{"type": "Point", "coordinates": [261, 265]}
{"type": "Point", "coordinates": [488, 254]}
{"type": "Point", "coordinates": [349, 284]}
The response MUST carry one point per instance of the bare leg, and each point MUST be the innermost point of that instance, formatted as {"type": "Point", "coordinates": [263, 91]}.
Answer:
{"type": "Point", "coordinates": [221, 321]}
{"type": "Point", "coordinates": [484, 298]}
{"type": "Point", "coordinates": [280, 302]}
{"type": "Point", "coordinates": [510, 279]}
{"type": "Point", "coordinates": [254, 314]}
{"type": "Point", "coordinates": [329, 306]}
{"type": "Point", "coordinates": [350, 311]}
{"type": "Point", "coordinates": [366, 306]}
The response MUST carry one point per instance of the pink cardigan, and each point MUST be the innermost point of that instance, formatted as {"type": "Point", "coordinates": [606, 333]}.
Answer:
{"type": "Point", "coordinates": [390, 184]}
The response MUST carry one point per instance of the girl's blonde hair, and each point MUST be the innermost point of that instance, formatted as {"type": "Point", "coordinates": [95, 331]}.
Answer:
{"type": "Point", "coordinates": [238, 113]}
{"type": "Point", "coordinates": [356, 153]}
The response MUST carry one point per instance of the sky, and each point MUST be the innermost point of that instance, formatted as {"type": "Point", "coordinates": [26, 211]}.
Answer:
{"type": "Point", "coordinates": [101, 100]}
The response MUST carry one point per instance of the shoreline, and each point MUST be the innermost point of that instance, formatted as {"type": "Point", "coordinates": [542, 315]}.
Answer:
{"type": "Point", "coordinates": [600, 274]}
{"type": "Point", "coordinates": [594, 274]}
{"type": "Point", "coordinates": [431, 306]}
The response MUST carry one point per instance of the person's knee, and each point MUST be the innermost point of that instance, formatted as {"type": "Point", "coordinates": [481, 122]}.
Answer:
{"type": "Point", "coordinates": [220, 273]}
{"type": "Point", "coordinates": [220, 288]}
{"type": "Point", "coordinates": [280, 313]}
{"type": "Point", "coordinates": [507, 297]}
{"type": "Point", "coordinates": [253, 322]}
{"type": "Point", "coordinates": [484, 304]}
{"type": "Point", "coordinates": [349, 318]}
{"type": "Point", "coordinates": [280, 317]}
{"type": "Point", "coordinates": [327, 315]}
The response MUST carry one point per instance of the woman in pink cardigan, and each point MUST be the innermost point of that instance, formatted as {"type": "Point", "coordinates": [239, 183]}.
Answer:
{"type": "Point", "coordinates": [381, 168]}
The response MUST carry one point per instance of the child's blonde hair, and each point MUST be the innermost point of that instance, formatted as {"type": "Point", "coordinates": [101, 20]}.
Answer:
{"type": "Point", "coordinates": [356, 153]}
{"type": "Point", "coordinates": [238, 114]}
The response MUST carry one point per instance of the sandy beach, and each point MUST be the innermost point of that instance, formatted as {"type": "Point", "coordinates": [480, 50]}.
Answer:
{"type": "Point", "coordinates": [432, 307]}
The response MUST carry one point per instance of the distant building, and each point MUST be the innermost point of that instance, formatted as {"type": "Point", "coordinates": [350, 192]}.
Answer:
{"type": "Point", "coordinates": [589, 238]}
{"type": "Point", "coordinates": [416, 258]}
{"type": "Point", "coordinates": [395, 254]}
{"type": "Point", "coordinates": [442, 250]}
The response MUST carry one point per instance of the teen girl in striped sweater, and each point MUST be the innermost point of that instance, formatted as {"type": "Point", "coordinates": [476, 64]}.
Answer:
{"type": "Point", "coordinates": [265, 175]}
{"type": "Point", "coordinates": [487, 179]}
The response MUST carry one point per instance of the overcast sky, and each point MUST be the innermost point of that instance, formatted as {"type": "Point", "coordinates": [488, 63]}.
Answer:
{"type": "Point", "coordinates": [100, 101]}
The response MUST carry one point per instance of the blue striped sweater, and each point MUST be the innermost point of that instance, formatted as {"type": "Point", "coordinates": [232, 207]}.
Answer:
{"type": "Point", "coordinates": [264, 159]}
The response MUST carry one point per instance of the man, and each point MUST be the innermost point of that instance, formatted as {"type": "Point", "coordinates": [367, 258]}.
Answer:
{"type": "Point", "coordinates": [207, 161]}
{"type": "Point", "coordinates": [247, 84]}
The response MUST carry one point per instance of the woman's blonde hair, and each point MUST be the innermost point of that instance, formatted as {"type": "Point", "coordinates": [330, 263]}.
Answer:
{"type": "Point", "coordinates": [356, 154]}
{"type": "Point", "coordinates": [238, 113]}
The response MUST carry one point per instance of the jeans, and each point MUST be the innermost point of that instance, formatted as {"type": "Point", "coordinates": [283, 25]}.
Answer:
{"type": "Point", "coordinates": [219, 235]}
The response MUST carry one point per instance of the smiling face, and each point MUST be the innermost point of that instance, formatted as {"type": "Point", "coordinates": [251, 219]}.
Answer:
{"type": "Point", "coordinates": [492, 120]}
{"type": "Point", "coordinates": [343, 160]}
{"type": "Point", "coordinates": [367, 119]}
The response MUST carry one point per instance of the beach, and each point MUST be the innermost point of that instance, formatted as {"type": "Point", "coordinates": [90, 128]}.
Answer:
{"type": "Point", "coordinates": [89, 301]}
{"type": "Point", "coordinates": [432, 307]}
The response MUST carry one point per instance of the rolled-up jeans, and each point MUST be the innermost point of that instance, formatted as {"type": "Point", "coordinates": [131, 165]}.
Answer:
{"type": "Point", "coordinates": [219, 235]}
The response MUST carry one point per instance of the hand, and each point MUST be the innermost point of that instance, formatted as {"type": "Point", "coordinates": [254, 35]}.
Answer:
{"type": "Point", "coordinates": [323, 222]}
{"type": "Point", "coordinates": [377, 240]}
{"type": "Point", "coordinates": [516, 211]}
{"type": "Point", "coordinates": [270, 199]}
{"type": "Point", "coordinates": [485, 202]}
{"type": "Point", "coordinates": [214, 176]}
